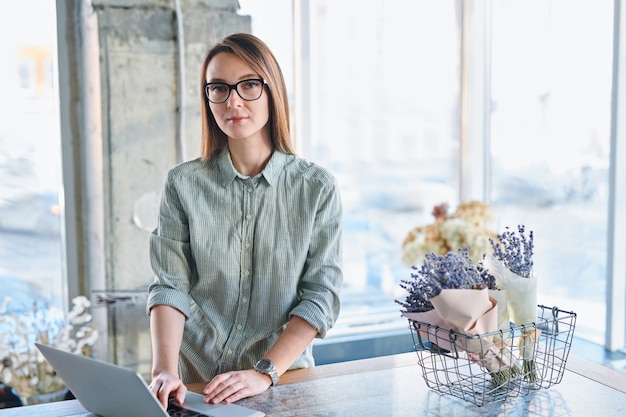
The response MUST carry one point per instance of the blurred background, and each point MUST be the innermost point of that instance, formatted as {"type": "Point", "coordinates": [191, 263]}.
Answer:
{"type": "Point", "coordinates": [410, 104]}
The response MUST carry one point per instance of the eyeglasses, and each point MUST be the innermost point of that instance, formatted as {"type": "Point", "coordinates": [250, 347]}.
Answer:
{"type": "Point", "coordinates": [248, 90]}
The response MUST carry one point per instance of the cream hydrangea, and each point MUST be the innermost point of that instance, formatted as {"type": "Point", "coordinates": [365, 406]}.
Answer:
{"type": "Point", "coordinates": [468, 227]}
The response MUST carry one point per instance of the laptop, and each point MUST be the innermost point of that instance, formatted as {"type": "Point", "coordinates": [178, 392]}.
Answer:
{"type": "Point", "coordinates": [109, 390]}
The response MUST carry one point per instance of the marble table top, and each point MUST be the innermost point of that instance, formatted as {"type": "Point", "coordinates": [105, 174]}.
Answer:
{"type": "Point", "coordinates": [393, 386]}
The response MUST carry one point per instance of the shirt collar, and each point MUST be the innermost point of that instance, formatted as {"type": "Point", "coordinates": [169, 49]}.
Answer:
{"type": "Point", "coordinates": [271, 172]}
{"type": "Point", "coordinates": [274, 167]}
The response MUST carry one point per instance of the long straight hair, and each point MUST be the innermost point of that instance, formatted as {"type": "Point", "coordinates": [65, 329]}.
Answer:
{"type": "Point", "coordinates": [258, 56]}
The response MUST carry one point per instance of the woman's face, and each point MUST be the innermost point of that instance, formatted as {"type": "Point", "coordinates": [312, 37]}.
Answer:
{"type": "Point", "coordinates": [237, 118]}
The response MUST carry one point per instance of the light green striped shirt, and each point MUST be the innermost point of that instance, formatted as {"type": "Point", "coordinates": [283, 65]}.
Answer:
{"type": "Point", "coordinates": [239, 256]}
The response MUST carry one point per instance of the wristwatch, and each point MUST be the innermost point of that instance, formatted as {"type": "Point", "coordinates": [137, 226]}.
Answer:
{"type": "Point", "coordinates": [265, 366]}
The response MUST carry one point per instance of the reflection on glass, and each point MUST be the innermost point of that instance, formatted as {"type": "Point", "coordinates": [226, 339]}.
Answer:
{"type": "Point", "coordinates": [384, 117]}
{"type": "Point", "coordinates": [381, 110]}
{"type": "Point", "coordinates": [379, 96]}
{"type": "Point", "coordinates": [30, 161]}
{"type": "Point", "coordinates": [550, 144]}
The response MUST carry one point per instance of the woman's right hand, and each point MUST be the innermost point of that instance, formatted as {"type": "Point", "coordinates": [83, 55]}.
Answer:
{"type": "Point", "coordinates": [166, 332]}
{"type": "Point", "coordinates": [165, 384]}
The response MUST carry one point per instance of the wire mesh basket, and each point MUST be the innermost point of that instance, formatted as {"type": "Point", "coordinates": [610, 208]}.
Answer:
{"type": "Point", "coordinates": [494, 366]}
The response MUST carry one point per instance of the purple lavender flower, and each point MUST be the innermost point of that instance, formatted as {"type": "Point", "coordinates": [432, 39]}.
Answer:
{"type": "Point", "coordinates": [486, 277]}
{"type": "Point", "coordinates": [437, 272]}
{"type": "Point", "coordinates": [514, 251]}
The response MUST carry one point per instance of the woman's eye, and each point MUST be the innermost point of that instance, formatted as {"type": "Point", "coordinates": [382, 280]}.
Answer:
{"type": "Point", "coordinates": [250, 84]}
{"type": "Point", "coordinates": [217, 88]}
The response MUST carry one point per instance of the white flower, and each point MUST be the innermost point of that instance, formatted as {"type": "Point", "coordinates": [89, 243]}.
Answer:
{"type": "Point", "coordinates": [467, 227]}
{"type": "Point", "coordinates": [23, 366]}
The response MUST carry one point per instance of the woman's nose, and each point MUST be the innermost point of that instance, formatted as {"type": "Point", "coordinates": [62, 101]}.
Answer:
{"type": "Point", "coordinates": [234, 100]}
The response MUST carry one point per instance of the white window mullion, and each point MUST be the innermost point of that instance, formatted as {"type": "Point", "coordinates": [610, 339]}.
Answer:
{"type": "Point", "coordinates": [301, 123]}
{"type": "Point", "coordinates": [476, 101]}
{"type": "Point", "coordinates": [616, 262]}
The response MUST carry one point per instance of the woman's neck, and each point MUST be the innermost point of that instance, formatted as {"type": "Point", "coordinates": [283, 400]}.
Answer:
{"type": "Point", "coordinates": [250, 158]}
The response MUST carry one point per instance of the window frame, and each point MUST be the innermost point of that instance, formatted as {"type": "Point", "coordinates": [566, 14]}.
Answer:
{"type": "Point", "coordinates": [475, 136]}
{"type": "Point", "coordinates": [616, 261]}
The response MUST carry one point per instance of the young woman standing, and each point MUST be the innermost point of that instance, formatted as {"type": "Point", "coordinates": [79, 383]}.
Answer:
{"type": "Point", "coordinates": [247, 251]}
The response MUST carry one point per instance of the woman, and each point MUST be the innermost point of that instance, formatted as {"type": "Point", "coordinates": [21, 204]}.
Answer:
{"type": "Point", "coordinates": [247, 249]}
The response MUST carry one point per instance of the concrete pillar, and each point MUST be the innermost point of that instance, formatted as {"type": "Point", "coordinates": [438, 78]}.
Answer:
{"type": "Point", "coordinates": [135, 141]}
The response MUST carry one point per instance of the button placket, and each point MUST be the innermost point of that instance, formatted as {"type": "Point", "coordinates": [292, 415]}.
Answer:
{"type": "Point", "coordinates": [245, 284]}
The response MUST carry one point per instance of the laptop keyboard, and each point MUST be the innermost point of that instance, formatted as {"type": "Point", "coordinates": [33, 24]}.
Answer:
{"type": "Point", "coordinates": [177, 411]}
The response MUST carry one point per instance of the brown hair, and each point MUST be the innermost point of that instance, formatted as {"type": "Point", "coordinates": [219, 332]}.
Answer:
{"type": "Point", "coordinates": [256, 54]}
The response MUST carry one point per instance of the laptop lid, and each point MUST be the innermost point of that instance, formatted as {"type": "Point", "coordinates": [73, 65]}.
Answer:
{"type": "Point", "coordinates": [113, 391]}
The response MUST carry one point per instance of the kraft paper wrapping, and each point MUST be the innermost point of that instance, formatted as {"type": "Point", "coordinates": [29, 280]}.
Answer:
{"type": "Point", "coordinates": [465, 311]}
{"type": "Point", "coordinates": [475, 313]}
{"type": "Point", "coordinates": [433, 318]}
{"type": "Point", "coordinates": [471, 313]}
{"type": "Point", "coordinates": [430, 317]}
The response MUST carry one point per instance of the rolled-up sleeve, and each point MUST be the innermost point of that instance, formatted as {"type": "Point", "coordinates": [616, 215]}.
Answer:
{"type": "Point", "coordinates": [170, 254]}
{"type": "Point", "coordinates": [322, 278]}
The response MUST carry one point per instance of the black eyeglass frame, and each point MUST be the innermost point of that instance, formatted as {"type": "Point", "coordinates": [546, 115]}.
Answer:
{"type": "Point", "coordinates": [232, 87]}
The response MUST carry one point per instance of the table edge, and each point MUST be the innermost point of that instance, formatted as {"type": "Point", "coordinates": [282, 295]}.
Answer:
{"type": "Point", "coordinates": [594, 371]}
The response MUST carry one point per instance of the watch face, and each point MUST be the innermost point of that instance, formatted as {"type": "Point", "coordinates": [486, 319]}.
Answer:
{"type": "Point", "coordinates": [264, 365]}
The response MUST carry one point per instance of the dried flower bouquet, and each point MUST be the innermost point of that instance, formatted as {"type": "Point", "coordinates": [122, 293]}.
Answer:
{"type": "Point", "coordinates": [512, 265]}
{"type": "Point", "coordinates": [469, 226]}
{"type": "Point", "coordinates": [450, 292]}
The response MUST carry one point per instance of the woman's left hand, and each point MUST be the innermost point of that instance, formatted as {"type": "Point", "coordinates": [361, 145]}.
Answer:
{"type": "Point", "coordinates": [235, 385]}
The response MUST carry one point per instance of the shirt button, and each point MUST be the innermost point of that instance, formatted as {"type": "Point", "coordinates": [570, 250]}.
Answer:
{"type": "Point", "coordinates": [246, 273]}
{"type": "Point", "coordinates": [230, 352]}
{"type": "Point", "coordinates": [239, 327]}
{"type": "Point", "coordinates": [244, 300]}
{"type": "Point", "coordinates": [249, 189]}
{"type": "Point", "coordinates": [247, 245]}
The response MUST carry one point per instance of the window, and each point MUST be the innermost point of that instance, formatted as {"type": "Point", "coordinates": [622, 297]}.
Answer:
{"type": "Point", "coordinates": [550, 144]}
{"type": "Point", "coordinates": [384, 117]}
{"type": "Point", "coordinates": [377, 96]}
{"type": "Point", "coordinates": [381, 110]}
{"type": "Point", "coordinates": [31, 212]}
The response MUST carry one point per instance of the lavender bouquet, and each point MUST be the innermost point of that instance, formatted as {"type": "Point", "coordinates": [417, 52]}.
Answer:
{"type": "Point", "coordinates": [512, 265]}
{"type": "Point", "coordinates": [438, 294]}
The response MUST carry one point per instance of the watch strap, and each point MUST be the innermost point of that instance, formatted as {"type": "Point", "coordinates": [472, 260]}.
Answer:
{"type": "Point", "coordinates": [266, 366]}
